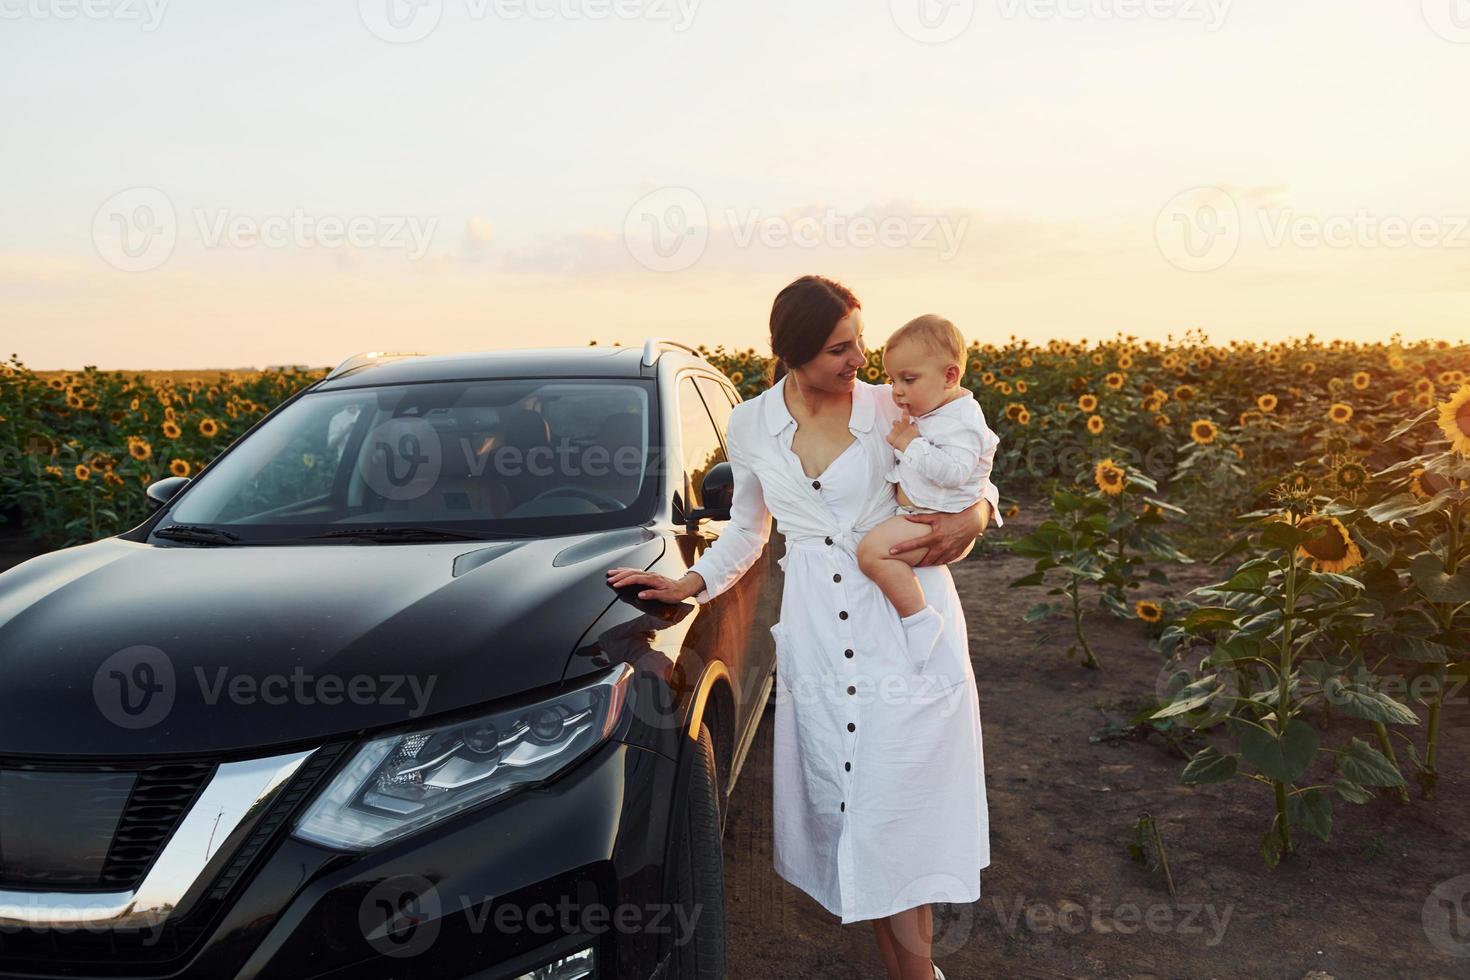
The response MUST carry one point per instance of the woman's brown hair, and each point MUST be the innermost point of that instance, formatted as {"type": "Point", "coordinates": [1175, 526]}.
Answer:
{"type": "Point", "coordinates": [802, 318]}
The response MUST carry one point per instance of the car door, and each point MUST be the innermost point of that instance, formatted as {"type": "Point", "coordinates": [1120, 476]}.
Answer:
{"type": "Point", "coordinates": [736, 624]}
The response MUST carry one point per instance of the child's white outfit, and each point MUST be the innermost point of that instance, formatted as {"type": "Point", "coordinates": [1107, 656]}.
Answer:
{"type": "Point", "coordinates": [946, 468]}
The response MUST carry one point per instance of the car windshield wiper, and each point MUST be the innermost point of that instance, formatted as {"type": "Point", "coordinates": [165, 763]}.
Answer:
{"type": "Point", "coordinates": [398, 534]}
{"type": "Point", "coordinates": [197, 534]}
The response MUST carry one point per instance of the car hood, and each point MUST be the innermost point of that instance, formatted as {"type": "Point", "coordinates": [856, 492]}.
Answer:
{"type": "Point", "coordinates": [124, 648]}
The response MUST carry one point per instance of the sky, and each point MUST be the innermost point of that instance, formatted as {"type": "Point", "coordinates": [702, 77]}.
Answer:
{"type": "Point", "coordinates": [193, 185]}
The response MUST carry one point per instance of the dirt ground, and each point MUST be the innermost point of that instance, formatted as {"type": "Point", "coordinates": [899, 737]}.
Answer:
{"type": "Point", "coordinates": [1061, 897]}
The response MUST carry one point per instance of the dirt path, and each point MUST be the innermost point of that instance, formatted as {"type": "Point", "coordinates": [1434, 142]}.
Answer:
{"type": "Point", "coordinates": [1061, 897]}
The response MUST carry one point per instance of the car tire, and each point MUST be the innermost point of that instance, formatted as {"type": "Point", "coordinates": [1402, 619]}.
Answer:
{"type": "Point", "coordinates": [699, 878]}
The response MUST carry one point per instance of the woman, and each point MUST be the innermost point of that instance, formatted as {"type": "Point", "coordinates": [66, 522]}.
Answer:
{"type": "Point", "coordinates": [879, 791]}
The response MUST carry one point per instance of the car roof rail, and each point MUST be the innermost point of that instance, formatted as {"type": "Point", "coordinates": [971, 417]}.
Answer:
{"type": "Point", "coordinates": [653, 346]}
{"type": "Point", "coordinates": [367, 359]}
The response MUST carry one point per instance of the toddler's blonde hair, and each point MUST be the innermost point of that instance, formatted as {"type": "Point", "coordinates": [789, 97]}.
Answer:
{"type": "Point", "coordinates": [937, 335]}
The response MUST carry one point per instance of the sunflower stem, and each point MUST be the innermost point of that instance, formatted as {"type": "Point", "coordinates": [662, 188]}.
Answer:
{"type": "Point", "coordinates": [1283, 686]}
{"type": "Point", "coordinates": [1385, 744]}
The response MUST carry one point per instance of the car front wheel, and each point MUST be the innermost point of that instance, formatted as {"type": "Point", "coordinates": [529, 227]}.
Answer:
{"type": "Point", "coordinates": [699, 954]}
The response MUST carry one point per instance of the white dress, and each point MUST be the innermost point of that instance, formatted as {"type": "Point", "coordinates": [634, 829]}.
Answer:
{"type": "Point", "coordinates": [879, 785]}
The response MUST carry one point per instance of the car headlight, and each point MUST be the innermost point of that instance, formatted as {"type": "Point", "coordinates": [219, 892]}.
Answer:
{"type": "Point", "coordinates": [399, 784]}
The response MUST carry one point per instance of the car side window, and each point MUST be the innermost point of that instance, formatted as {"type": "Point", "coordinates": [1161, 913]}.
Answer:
{"type": "Point", "coordinates": [702, 446]}
{"type": "Point", "coordinates": [717, 400]}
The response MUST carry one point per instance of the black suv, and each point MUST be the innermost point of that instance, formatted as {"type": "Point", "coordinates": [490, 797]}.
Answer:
{"type": "Point", "coordinates": [357, 700]}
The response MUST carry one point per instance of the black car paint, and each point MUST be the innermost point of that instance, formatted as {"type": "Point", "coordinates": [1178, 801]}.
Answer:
{"type": "Point", "coordinates": [474, 616]}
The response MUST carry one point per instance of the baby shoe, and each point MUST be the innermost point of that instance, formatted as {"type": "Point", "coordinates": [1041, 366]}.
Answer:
{"type": "Point", "coordinates": [921, 631]}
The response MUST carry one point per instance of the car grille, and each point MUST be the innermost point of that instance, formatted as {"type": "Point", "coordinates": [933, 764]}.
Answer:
{"type": "Point", "coordinates": [99, 828]}
{"type": "Point", "coordinates": [158, 801]}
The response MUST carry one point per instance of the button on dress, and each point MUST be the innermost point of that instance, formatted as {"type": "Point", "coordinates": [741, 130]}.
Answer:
{"type": "Point", "coordinates": [879, 775]}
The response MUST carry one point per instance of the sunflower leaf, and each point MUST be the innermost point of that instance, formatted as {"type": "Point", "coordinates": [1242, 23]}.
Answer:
{"type": "Point", "coordinates": [1429, 575]}
{"type": "Point", "coordinates": [1403, 427]}
{"type": "Point", "coordinates": [1365, 765]}
{"type": "Point", "coordinates": [1282, 758]}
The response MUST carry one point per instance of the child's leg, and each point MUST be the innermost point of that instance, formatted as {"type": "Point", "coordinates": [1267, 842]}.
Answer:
{"type": "Point", "coordinates": [893, 573]}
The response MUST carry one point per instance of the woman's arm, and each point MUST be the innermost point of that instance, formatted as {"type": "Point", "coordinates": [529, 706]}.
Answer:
{"type": "Point", "coordinates": [951, 535]}
{"type": "Point", "coordinates": [740, 543]}
{"type": "Point", "coordinates": [743, 537]}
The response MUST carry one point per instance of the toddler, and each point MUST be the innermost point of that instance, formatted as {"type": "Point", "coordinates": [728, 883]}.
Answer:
{"type": "Point", "coordinates": [943, 456]}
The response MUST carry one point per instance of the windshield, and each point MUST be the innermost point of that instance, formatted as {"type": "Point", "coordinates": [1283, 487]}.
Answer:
{"type": "Point", "coordinates": [487, 458]}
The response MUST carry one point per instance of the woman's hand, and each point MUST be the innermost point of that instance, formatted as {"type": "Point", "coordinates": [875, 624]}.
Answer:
{"type": "Point", "coordinates": [951, 536]}
{"type": "Point", "coordinates": [661, 587]}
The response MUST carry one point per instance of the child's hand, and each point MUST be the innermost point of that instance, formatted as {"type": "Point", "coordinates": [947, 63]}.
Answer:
{"type": "Point", "coordinates": [905, 430]}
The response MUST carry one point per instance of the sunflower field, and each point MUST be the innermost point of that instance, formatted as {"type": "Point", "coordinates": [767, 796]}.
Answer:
{"type": "Point", "coordinates": [77, 449]}
{"type": "Point", "coordinates": [1329, 483]}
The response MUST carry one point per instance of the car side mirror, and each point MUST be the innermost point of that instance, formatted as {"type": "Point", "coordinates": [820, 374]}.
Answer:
{"type": "Point", "coordinates": [718, 493]}
{"type": "Point", "coordinates": [162, 491]}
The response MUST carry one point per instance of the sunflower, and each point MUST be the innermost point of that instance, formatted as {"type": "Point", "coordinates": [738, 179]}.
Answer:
{"type": "Point", "coordinates": [1340, 412]}
{"type": "Point", "coordinates": [1335, 552]}
{"type": "Point", "coordinates": [82, 472]}
{"type": "Point", "coordinates": [1149, 612]}
{"type": "Point", "coordinates": [1239, 453]}
{"type": "Point", "coordinates": [1023, 417]}
{"type": "Point", "coordinates": [1114, 380]}
{"type": "Point", "coordinates": [1026, 362]}
{"type": "Point", "coordinates": [1266, 403]}
{"type": "Point", "coordinates": [1425, 485]}
{"type": "Point", "coordinates": [871, 373]}
{"type": "Point", "coordinates": [57, 384]}
{"type": "Point", "coordinates": [1012, 408]}
{"type": "Point", "coordinates": [1087, 403]}
{"type": "Point", "coordinates": [1251, 417]}
{"type": "Point", "coordinates": [1203, 431]}
{"type": "Point", "coordinates": [138, 448]}
{"type": "Point", "coordinates": [1352, 476]}
{"type": "Point", "coordinates": [1361, 380]}
{"type": "Point", "coordinates": [1013, 510]}
{"type": "Point", "coordinates": [1454, 419]}
{"type": "Point", "coordinates": [208, 428]}
{"type": "Point", "coordinates": [1095, 424]}
{"type": "Point", "coordinates": [1163, 421]}
{"type": "Point", "coordinates": [1395, 362]}
{"type": "Point", "coordinates": [1309, 368]}
{"type": "Point", "coordinates": [987, 378]}
{"type": "Point", "coordinates": [1109, 477]}
{"type": "Point", "coordinates": [1004, 387]}
{"type": "Point", "coordinates": [73, 400]}
{"type": "Point", "coordinates": [975, 364]}
{"type": "Point", "coordinates": [1097, 358]}
{"type": "Point", "coordinates": [1446, 378]}
{"type": "Point", "coordinates": [1125, 361]}
{"type": "Point", "coordinates": [1424, 385]}
{"type": "Point", "coordinates": [1423, 400]}
{"type": "Point", "coordinates": [1274, 357]}
{"type": "Point", "coordinates": [171, 429]}
{"type": "Point", "coordinates": [179, 467]}
{"type": "Point", "coordinates": [1183, 393]}
{"type": "Point", "coordinates": [1020, 386]}
{"type": "Point", "coordinates": [54, 470]}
